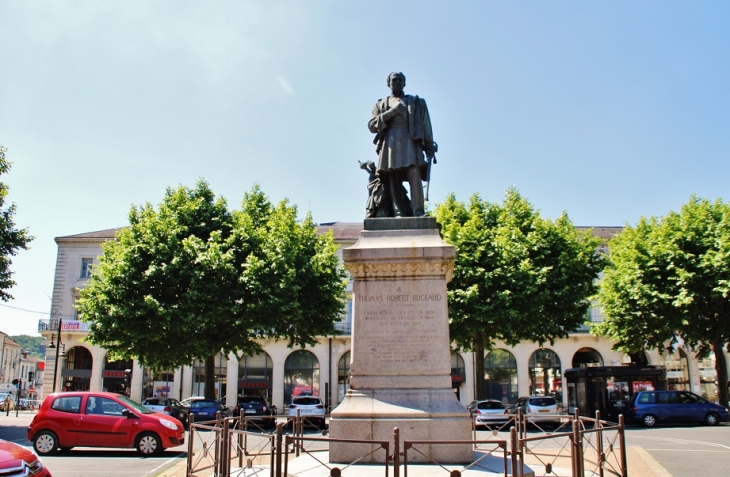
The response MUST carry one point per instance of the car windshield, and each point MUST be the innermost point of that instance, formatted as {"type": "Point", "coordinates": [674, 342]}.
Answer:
{"type": "Point", "coordinates": [542, 401]}
{"type": "Point", "coordinates": [250, 399]}
{"type": "Point", "coordinates": [306, 401]}
{"type": "Point", "coordinates": [199, 404]}
{"type": "Point", "coordinates": [490, 405]}
{"type": "Point", "coordinates": [134, 405]}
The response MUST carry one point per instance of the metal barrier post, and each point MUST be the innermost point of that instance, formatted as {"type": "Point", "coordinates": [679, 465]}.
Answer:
{"type": "Point", "coordinates": [298, 429]}
{"type": "Point", "coordinates": [599, 443]}
{"type": "Point", "coordinates": [622, 443]}
{"type": "Point", "coordinates": [396, 452]}
{"type": "Point", "coordinates": [279, 435]}
{"type": "Point", "coordinates": [225, 462]}
{"type": "Point", "coordinates": [577, 449]}
{"type": "Point", "coordinates": [513, 447]}
{"type": "Point", "coordinates": [191, 432]}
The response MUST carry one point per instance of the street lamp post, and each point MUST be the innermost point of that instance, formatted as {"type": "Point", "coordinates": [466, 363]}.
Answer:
{"type": "Point", "coordinates": [58, 351]}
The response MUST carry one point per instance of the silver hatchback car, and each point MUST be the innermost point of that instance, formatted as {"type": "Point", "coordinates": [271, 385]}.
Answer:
{"type": "Point", "coordinates": [537, 408]}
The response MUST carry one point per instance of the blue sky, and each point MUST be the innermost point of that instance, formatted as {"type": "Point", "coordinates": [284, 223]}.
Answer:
{"type": "Point", "coordinates": [607, 110]}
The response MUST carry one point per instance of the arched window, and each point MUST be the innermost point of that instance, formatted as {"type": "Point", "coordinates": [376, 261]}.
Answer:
{"type": "Point", "coordinates": [587, 357]}
{"type": "Point", "coordinates": [301, 375]}
{"type": "Point", "coordinates": [458, 373]}
{"type": "Point", "coordinates": [546, 374]}
{"type": "Point", "coordinates": [500, 374]}
{"type": "Point", "coordinates": [254, 375]}
{"type": "Point", "coordinates": [220, 379]}
{"type": "Point", "coordinates": [343, 376]}
{"type": "Point", "coordinates": [76, 375]}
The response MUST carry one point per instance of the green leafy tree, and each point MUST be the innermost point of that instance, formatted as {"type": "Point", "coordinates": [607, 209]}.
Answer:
{"type": "Point", "coordinates": [669, 283]}
{"type": "Point", "coordinates": [191, 279]}
{"type": "Point", "coordinates": [517, 275]}
{"type": "Point", "coordinates": [11, 239]}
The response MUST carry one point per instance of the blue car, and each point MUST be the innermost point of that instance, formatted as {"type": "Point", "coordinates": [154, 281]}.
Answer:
{"type": "Point", "coordinates": [653, 407]}
{"type": "Point", "coordinates": [205, 409]}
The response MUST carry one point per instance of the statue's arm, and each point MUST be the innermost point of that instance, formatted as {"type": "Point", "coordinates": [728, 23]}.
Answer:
{"type": "Point", "coordinates": [429, 145]}
{"type": "Point", "coordinates": [381, 115]}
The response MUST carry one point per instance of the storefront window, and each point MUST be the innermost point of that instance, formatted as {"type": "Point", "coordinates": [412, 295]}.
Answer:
{"type": "Point", "coordinates": [343, 376]}
{"type": "Point", "coordinates": [115, 374]}
{"type": "Point", "coordinates": [220, 380]}
{"type": "Point", "coordinates": [77, 373]}
{"type": "Point", "coordinates": [587, 357]}
{"type": "Point", "coordinates": [677, 366]}
{"type": "Point", "coordinates": [254, 375]}
{"type": "Point", "coordinates": [500, 374]}
{"type": "Point", "coordinates": [159, 384]}
{"type": "Point", "coordinates": [708, 376]}
{"type": "Point", "coordinates": [545, 374]}
{"type": "Point", "coordinates": [301, 375]}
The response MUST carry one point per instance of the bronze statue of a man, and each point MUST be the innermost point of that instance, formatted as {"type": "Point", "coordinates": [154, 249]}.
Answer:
{"type": "Point", "coordinates": [403, 135]}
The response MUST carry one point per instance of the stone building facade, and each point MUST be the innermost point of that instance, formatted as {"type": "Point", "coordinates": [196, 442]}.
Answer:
{"type": "Point", "coordinates": [280, 372]}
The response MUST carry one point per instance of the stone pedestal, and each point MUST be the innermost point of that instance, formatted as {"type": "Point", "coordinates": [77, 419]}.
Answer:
{"type": "Point", "coordinates": [400, 363]}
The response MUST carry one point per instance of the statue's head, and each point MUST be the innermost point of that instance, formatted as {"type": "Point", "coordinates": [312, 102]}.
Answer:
{"type": "Point", "coordinates": [399, 74]}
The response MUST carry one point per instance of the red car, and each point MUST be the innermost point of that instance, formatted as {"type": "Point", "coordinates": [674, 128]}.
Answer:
{"type": "Point", "coordinates": [17, 460]}
{"type": "Point", "coordinates": [90, 419]}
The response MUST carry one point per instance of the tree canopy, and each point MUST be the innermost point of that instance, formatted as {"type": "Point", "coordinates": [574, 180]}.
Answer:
{"type": "Point", "coordinates": [190, 279]}
{"type": "Point", "coordinates": [11, 239]}
{"type": "Point", "coordinates": [517, 275]}
{"type": "Point", "coordinates": [668, 284]}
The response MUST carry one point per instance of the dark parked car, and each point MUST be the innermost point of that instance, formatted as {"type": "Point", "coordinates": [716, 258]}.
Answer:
{"type": "Point", "coordinates": [91, 419]}
{"type": "Point", "coordinates": [170, 406]}
{"type": "Point", "coordinates": [205, 409]}
{"type": "Point", "coordinates": [653, 407]}
{"type": "Point", "coordinates": [257, 409]}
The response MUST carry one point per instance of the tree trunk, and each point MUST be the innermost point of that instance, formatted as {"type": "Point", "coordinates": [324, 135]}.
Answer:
{"type": "Point", "coordinates": [479, 382]}
{"type": "Point", "coordinates": [210, 377]}
{"type": "Point", "coordinates": [721, 371]}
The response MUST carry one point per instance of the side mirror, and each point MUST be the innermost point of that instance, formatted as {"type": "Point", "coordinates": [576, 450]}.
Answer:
{"type": "Point", "coordinates": [128, 414]}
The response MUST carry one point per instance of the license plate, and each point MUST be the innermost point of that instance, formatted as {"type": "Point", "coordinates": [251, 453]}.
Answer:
{"type": "Point", "coordinates": [249, 411]}
{"type": "Point", "coordinates": [203, 413]}
{"type": "Point", "coordinates": [544, 410]}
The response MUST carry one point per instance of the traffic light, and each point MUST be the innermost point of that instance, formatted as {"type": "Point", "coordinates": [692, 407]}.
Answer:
{"type": "Point", "coordinates": [30, 375]}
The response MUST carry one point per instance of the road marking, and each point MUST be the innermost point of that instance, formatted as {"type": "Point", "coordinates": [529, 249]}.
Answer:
{"type": "Point", "coordinates": [156, 469]}
{"type": "Point", "coordinates": [691, 450]}
{"type": "Point", "coordinates": [684, 441]}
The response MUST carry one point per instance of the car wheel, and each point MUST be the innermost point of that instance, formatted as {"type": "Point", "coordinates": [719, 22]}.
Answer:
{"type": "Point", "coordinates": [712, 419]}
{"type": "Point", "coordinates": [148, 444]}
{"type": "Point", "coordinates": [649, 420]}
{"type": "Point", "coordinates": [45, 443]}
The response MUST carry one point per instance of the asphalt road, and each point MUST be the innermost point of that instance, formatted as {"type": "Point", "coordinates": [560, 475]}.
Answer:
{"type": "Point", "coordinates": [686, 451]}
{"type": "Point", "coordinates": [89, 462]}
